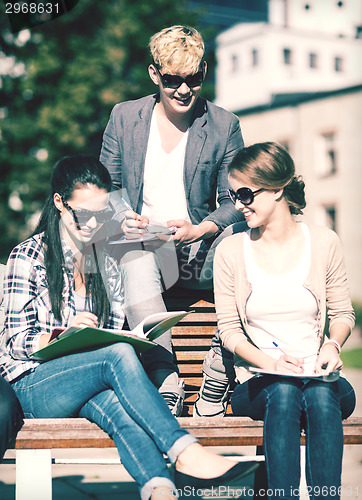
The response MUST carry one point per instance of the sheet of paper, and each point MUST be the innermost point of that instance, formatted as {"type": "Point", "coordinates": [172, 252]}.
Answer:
{"type": "Point", "coordinates": [331, 377]}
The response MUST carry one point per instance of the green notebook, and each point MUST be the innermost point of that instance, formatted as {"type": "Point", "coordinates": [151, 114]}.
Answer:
{"type": "Point", "coordinates": [76, 339]}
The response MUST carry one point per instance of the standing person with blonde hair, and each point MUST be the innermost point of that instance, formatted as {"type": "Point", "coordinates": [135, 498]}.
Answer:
{"type": "Point", "coordinates": [170, 152]}
{"type": "Point", "coordinates": [273, 284]}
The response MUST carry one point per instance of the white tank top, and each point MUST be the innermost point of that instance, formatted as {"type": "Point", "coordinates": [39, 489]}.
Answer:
{"type": "Point", "coordinates": [281, 310]}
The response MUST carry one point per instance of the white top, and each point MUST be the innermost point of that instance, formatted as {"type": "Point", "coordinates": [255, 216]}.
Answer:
{"type": "Point", "coordinates": [164, 196]}
{"type": "Point", "coordinates": [281, 310]}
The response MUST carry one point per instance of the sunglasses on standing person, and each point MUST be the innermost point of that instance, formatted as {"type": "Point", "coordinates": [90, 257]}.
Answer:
{"type": "Point", "coordinates": [244, 195]}
{"type": "Point", "coordinates": [175, 81]}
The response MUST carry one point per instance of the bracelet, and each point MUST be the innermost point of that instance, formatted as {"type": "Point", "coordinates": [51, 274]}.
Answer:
{"type": "Point", "coordinates": [335, 343]}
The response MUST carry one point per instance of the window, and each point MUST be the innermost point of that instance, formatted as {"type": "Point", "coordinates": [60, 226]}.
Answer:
{"type": "Point", "coordinates": [338, 64]}
{"type": "Point", "coordinates": [285, 144]}
{"type": "Point", "coordinates": [287, 54]}
{"type": "Point", "coordinates": [331, 217]}
{"type": "Point", "coordinates": [312, 60]}
{"type": "Point", "coordinates": [326, 161]}
{"type": "Point", "coordinates": [255, 57]}
{"type": "Point", "coordinates": [326, 215]}
{"type": "Point", "coordinates": [234, 63]}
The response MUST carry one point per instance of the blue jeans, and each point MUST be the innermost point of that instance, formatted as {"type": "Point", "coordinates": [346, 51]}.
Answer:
{"type": "Point", "coordinates": [142, 278]}
{"type": "Point", "coordinates": [11, 416]}
{"type": "Point", "coordinates": [286, 405]}
{"type": "Point", "coordinates": [109, 386]}
{"type": "Point", "coordinates": [146, 273]}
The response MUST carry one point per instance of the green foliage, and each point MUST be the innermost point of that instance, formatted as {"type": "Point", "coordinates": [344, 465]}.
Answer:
{"type": "Point", "coordinates": [358, 312]}
{"type": "Point", "coordinates": [77, 67]}
{"type": "Point", "coordinates": [352, 358]}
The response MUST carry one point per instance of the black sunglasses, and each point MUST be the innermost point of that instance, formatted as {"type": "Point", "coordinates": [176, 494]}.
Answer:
{"type": "Point", "coordinates": [82, 216]}
{"type": "Point", "coordinates": [244, 195]}
{"type": "Point", "coordinates": [175, 81]}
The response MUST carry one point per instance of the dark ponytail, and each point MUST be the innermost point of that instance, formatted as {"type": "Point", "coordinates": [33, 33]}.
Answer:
{"type": "Point", "coordinates": [294, 194]}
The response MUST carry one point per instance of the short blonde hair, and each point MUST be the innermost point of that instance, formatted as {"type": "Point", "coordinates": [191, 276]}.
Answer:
{"type": "Point", "coordinates": [177, 49]}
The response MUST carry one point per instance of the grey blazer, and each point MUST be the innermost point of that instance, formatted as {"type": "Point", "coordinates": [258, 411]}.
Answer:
{"type": "Point", "coordinates": [214, 139]}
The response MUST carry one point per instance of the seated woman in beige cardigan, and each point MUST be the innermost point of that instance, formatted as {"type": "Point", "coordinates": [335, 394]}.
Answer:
{"type": "Point", "coordinates": [273, 283]}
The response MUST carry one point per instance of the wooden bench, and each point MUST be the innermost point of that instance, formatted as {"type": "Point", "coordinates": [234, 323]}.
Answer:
{"type": "Point", "coordinates": [191, 339]}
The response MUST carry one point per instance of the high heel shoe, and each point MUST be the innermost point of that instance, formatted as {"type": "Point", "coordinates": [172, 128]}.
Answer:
{"type": "Point", "coordinates": [238, 471]}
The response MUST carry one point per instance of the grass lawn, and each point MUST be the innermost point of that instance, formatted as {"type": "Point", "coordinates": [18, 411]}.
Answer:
{"type": "Point", "coordinates": [352, 358]}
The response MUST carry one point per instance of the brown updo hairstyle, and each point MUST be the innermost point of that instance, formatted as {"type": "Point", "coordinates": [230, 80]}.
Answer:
{"type": "Point", "coordinates": [268, 165]}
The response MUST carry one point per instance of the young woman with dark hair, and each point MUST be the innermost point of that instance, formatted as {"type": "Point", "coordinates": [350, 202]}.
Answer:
{"type": "Point", "coordinates": [69, 174]}
{"type": "Point", "coordinates": [60, 277]}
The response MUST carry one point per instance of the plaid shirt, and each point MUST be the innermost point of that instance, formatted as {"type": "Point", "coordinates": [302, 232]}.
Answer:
{"type": "Point", "coordinates": [27, 304]}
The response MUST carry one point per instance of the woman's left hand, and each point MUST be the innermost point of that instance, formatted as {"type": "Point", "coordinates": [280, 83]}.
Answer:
{"type": "Point", "coordinates": [328, 359]}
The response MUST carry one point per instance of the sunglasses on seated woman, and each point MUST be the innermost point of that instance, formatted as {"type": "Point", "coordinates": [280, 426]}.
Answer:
{"type": "Point", "coordinates": [244, 195]}
{"type": "Point", "coordinates": [82, 216]}
{"type": "Point", "coordinates": [175, 81]}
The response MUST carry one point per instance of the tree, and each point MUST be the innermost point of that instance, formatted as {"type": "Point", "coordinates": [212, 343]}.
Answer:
{"type": "Point", "coordinates": [57, 98]}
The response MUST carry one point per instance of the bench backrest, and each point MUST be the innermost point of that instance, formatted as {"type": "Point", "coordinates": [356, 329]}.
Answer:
{"type": "Point", "coordinates": [192, 339]}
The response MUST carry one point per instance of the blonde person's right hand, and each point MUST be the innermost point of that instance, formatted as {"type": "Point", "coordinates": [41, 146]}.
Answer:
{"type": "Point", "coordinates": [85, 318]}
{"type": "Point", "coordinates": [289, 364]}
{"type": "Point", "coordinates": [134, 225]}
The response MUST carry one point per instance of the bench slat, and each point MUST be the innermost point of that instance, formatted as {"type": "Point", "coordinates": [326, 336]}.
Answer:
{"type": "Point", "coordinates": [199, 318]}
{"type": "Point", "coordinates": [191, 356]}
{"type": "Point", "coordinates": [180, 332]}
{"type": "Point", "coordinates": [192, 368]}
{"type": "Point", "coordinates": [226, 431]}
{"type": "Point", "coordinates": [183, 345]}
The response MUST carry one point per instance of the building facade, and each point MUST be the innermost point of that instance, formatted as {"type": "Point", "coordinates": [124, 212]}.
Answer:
{"type": "Point", "coordinates": [305, 47]}
{"type": "Point", "coordinates": [297, 80]}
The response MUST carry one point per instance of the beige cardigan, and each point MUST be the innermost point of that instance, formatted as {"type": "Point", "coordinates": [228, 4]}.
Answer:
{"type": "Point", "coordinates": [326, 280]}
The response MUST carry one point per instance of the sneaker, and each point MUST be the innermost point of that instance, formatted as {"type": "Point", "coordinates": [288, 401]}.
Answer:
{"type": "Point", "coordinates": [213, 396]}
{"type": "Point", "coordinates": [174, 394]}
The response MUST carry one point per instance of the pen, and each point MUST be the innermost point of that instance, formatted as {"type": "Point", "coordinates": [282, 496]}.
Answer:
{"type": "Point", "coordinates": [126, 204]}
{"type": "Point", "coordinates": [280, 349]}
{"type": "Point", "coordinates": [130, 208]}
